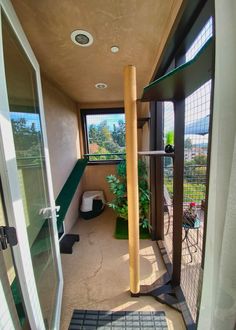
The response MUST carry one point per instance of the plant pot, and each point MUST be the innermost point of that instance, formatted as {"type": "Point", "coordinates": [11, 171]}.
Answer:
{"type": "Point", "coordinates": [121, 230]}
{"type": "Point", "coordinates": [169, 148]}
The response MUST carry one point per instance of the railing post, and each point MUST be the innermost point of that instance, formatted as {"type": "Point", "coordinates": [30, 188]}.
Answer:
{"type": "Point", "coordinates": [178, 190]}
{"type": "Point", "coordinates": [159, 173]}
{"type": "Point", "coordinates": [132, 175]}
{"type": "Point", "coordinates": [153, 179]}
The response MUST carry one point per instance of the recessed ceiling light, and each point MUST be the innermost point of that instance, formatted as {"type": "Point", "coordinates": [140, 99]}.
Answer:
{"type": "Point", "coordinates": [82, 38]}
{"type": "Point", "coordinates": [115, 49]}
{"type": "Point", "coordinates": [101, 85]}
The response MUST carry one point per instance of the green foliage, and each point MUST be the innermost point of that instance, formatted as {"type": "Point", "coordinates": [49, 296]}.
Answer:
{"type": "Point", "coordinates": [200, 171]}
{"type": "Point", "coordinates": [192, 191]}
{"type": "Point", "coordinates": [200, 160]}
{"type": "Point", "coordinates": [118, 133]}
{"type": "Point", "coordinates": [118, 186]}
{"type": "Point", "coordinates": [170, 137]}
{"type": "Point", "coordinates": [188, 143]}
{"type": "Point", "coordinates": [107, 141]}
{"type": "Point", "coordinates": [194, 179]}
{"type": "Point", "coordinates": [28, 142]}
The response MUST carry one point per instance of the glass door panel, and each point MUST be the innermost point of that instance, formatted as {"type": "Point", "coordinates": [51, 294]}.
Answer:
{"type": "Point", "coordinates": [28, 140]}
{"type": "Point", "coordinates": [9, 280]}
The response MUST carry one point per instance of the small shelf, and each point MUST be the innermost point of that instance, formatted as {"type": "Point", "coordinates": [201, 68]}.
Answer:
{"type": "Point", "coordinates": [157, 153]}
{"type": "Point", "coordinates": [184, 80]}
{"type": "Point", "coordinates": [142, 121]}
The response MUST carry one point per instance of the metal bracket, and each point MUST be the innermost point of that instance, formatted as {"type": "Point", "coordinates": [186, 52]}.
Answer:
{"type": "Point", "coordinates": [7, 237]}
{"type": "Point", "coordinates": [163, 291]}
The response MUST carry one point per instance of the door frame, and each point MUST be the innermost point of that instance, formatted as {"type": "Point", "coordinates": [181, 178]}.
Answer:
{"type": "Point", "coordinates": [6, 321]}
{"type": "Point", "coordinates": [12, 195]}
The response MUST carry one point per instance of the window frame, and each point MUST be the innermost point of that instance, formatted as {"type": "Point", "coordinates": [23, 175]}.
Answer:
{"type": "Point", "coordinates": [97, 111]}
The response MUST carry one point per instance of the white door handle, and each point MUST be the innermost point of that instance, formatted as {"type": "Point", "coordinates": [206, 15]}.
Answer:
{"type": "Point", "coordinates": [47, 211]}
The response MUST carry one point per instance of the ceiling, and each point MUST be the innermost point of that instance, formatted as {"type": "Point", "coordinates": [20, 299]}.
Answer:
{"type": "Point", "coordinates": [139, 27]}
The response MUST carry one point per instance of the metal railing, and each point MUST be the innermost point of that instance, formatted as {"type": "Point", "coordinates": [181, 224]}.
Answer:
{"type": "Point", "coordinates": [194, 182]}
{"type": "Point", "coordinates": [29, 162]}
{"type": "Point", "coordinates": [115, 156]}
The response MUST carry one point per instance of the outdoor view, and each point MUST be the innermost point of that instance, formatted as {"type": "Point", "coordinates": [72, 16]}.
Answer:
{"type": "Point", "coordinates": [106, 136]}
{"type": "Point", "coordinates": [195, 144]}
{"type": "Point", "coordinates": [196, 138]}
{"type": "Point", "coordinates": [27, 134]}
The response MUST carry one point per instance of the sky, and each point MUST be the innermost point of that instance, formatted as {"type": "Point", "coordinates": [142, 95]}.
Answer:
{"type": "Point", "coordinates": [197, 106]}
{"type": "Point", "coordinates": [29, 117]}
{"type": "Point", "coordinates": [112, 119]}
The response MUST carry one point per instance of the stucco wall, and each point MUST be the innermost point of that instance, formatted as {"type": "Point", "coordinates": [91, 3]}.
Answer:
{"type": "Point", "coordinates": [95, 178]}
{"type": "Point", "coordinates": [143, 133]}
{"type": "Point", "coordinates": [63, 141]}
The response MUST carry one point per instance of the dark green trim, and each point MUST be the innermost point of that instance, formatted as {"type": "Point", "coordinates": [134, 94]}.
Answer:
{"type": "Point", "coordinates": [194, 16]}
{"type": "Point", "coordinates": [16, 293]}
{"type": "Point", "coordinates": [179, 83]}
{"type": "Point", "coordinates": [65, 196]}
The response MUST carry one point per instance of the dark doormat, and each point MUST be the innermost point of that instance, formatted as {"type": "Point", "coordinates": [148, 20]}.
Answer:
{"type": "Point", "coordinates": [104, 320]}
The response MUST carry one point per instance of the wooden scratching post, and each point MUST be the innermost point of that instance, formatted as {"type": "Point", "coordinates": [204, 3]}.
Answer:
{"type": "Point", "coordinates": [130, 97]}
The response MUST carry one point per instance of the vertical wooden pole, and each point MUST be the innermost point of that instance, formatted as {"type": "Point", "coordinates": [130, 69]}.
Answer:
{"type": "Point", "coordinates": [130, 97]}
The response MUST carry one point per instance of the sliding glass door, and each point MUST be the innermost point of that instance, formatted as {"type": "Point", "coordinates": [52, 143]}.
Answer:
{"type": "Point", "coordinates": [27, 175]}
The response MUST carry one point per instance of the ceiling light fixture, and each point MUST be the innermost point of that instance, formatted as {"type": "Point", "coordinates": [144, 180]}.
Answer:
{"type": "Point", "coordinates": [115, 49]}
{"type": "Point", "coordinates": [82, 38]}
{"type": "Point", "coordinates": [101, 85]}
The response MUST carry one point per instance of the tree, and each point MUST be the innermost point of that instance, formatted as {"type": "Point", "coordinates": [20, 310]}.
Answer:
{"type": "Point", "coordinates": [104, 131]}
{"type": "Point", "coordinates": [93, 134]}
{"type": "Point", "coordinates": [189, 167]}
{"type": "Point", "coordinates": [188, 143]}
{"type": "Point", "coordinates": [27, 141]}
{"type": "Point", "coordinates": [118, 133]}
{"type": "Point", "coordinates": [200, 160]}
{"type": "Point", "coordinates": [99, 134]}
{"type": "Point", "coordinates": [110, 141]}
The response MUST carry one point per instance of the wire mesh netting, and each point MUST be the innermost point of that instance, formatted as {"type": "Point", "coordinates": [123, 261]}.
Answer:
{"type": "Point", "coordinates": [197, 117]}
{"type": "Point", "coordinates": [197, 112]}
{"type": "Point", "coordinates": [200, 41]}
{"type": "Point", "coordinates": [105, 136]}
{"type": "Point", "coordinates": [168, 177]}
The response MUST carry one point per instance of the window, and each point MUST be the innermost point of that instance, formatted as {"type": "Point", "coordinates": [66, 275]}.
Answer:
{"type": "Point", "coordinates": [204, 35]}
{"type": "Point", "coordinates": [104, 134]}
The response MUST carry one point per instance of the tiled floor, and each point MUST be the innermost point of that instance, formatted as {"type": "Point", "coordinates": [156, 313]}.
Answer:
{"type": "Point", "coordinates": [96, 275]}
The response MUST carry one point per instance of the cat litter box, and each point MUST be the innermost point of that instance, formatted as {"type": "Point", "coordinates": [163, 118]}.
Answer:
{"type": "Point", "coordinates": [93, 203]}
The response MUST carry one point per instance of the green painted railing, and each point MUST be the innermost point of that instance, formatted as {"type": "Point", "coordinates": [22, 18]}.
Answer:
{"type": "Point", "coordinates": [68, 190]}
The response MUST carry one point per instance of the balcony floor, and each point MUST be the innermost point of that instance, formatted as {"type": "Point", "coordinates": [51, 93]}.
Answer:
{"type": "Point", "coordinates": [96, 275]}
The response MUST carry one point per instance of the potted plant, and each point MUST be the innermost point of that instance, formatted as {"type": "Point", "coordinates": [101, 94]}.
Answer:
{"type": "Point", "coordinates": [118, 186]}
{"type": "Point", "coordinates": [190, 215]}
{"type": "Point", "coordinates": [169, 142]}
